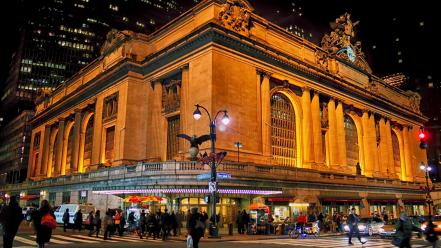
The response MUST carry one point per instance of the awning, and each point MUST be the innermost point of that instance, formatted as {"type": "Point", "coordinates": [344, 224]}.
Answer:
{"type": "Point", "coordinates": [414, 202]}
{"type": "Point", "coordinates": [29, 197]}
{"type": "Point", "coordinates": [339, 200]}
{"type": "Point", "coordinates": [391, 201]}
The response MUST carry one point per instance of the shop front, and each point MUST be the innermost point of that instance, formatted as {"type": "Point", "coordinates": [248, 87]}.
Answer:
{"type": "Point", "coordinates": [415, 207]}
{"type": "Point", "coordinates": [330, 206]}
{"type": "Point", "coordinates": [381, 207]}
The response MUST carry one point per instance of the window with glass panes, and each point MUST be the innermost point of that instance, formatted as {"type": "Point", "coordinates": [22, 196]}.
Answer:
{"type": "Point", "coordinates": [351, 138]}
{"type": "Point", "coordinates": [172, 139]}
{"type": "Point", "coordinates": [88, 143]}
{"type": "Point", "coordinates": [396, 153]}
{"type": "Point", "coordinates": [283, 130]}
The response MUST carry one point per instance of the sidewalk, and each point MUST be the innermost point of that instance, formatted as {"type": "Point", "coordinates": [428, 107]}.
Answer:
{"type": "Point", "coordinates": [244, 237]}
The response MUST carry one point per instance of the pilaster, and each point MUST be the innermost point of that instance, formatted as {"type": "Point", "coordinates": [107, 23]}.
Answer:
{"type": "Point", "coordinates": [333, 145]}
{"type": "Point", "coordinates": [76, 141]}
{"type": "Point", "coordinates": [317, 130]}
{"type": "Point", "coordinates": [266, 112]}
{"type": "Point", "coordinates": [46, 149]}
{"type": "Point", "coordinates": [59, 144]}
{"type": "Point", "coordinates": [341, 137]}
{"type": "Point", "coordinates": [185, 109]}
{"type": "Point", "coordinates": [368, 165]}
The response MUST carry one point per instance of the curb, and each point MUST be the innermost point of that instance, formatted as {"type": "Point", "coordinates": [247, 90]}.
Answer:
{"type": "Point", "coordinates": [247, 238]}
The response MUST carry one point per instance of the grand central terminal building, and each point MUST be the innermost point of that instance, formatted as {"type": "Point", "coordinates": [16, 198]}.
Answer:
{"type": "Point", "coordinates": [320, 131]}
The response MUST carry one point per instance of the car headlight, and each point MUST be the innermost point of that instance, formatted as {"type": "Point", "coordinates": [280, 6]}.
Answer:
{"type": "Point", "coordinates": [439, 226]}
{"type": "Point", "coordinates": [346, 227]}
{"type": "Point", "coordinates": [423, 227]}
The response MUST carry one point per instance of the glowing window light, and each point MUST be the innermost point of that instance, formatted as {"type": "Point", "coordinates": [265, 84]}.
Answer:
{"type": "Point", "coordinates": [187, 191]}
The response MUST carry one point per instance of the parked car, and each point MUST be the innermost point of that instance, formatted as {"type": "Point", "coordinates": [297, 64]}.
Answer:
{"type": "Point", "coordinates": [368, 226]}
{"type": "Point", "coordinates": [73, 208]}
{"type": "Point", "coordinates": [389, 230]}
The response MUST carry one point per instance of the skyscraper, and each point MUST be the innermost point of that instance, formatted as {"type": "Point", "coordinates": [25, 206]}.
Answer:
{"type": "Point", "coordinates": [56, 39]}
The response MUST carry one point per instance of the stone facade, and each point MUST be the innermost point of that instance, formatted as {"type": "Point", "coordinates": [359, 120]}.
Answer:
{"type": "Point", "coordinates": [223, 56]}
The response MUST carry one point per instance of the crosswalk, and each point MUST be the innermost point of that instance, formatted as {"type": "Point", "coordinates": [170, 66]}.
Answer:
{"type": "Point", "coordinates": [327, 242]}
{"type": "Point", "coordinates": [25, 241]}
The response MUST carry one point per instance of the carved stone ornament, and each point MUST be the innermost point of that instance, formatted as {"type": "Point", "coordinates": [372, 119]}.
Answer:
{"type": "Point", "coordinates": [414, 101]}
{"type": "Point", "coordinates": [113, 37]}
{"type": "Point", "coordinates": [321, 58]}
{"type": "Point", "coordinates": [235, 15]}
{"type": "Point", "coordinates": [340, 42]}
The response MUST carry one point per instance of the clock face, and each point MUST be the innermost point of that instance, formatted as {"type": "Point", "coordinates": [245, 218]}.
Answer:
{"type": "Point", "coordinates": [350, 53]}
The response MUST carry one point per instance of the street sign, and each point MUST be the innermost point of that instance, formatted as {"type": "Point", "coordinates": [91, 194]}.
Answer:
{"type": "Point", "coordinates": [207, 176]}
{"type": "Point", "coordinates": [212, 187]}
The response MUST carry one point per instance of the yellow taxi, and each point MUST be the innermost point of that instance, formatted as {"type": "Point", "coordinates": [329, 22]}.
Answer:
{"type": "Point", "coordinates": [436, 221]}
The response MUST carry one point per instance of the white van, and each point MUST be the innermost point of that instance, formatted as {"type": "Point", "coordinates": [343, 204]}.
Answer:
{"type": "Point", "coordinates": [73, 209]}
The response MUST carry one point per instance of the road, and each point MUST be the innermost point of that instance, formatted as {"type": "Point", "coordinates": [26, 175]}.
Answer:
{"type": "Point", "coordinates": [81, 240]}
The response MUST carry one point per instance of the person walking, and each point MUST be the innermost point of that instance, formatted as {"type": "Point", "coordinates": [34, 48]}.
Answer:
{"type": "Point", "coordinates": [66, 217]}
{"type": "Point", "coordinates": [431, 235]}
{"type": "Point", "coordinates": [107, 225]}
{"type": "Point", "coordinates": [142, 224]}
{"type": "Point", "coordinates": [78, 220]}
{"type": "Point", "coordinates": [10, 217]}
{"type": "Point", "coordinates": [152, 223]}
{"type": "Point", "coordinates": [97, 222]}
{"type": "Point", "coordinates": [90, 225]}
{"type": "Point", "coordinates": [403, 233]}
{"type": "Point", "coordinates": [353, 227]}
{"type": "Point", "coordinates": [44, 232]}
{"type": "Point", "coordinates": [195, 227]}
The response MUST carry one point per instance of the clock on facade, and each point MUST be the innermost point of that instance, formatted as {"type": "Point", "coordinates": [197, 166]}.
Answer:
{"type": "Point", "coordinates": [351, 54]}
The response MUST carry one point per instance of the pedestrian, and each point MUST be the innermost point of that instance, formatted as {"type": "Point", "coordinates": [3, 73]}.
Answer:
{"type": "Point", "coordinates": [195, 227]}
{"type": "Point", "coordinates": [97, 222]}
{"type": "Point", "coordinates": [78, 220]}
{"type": "Point", "coordinates": [431, 235]}
{"type": "Point", "coordinates": [90, 225]}
{"type": "Point", "coordinates": [142, 224]}
{"type": "Point", "coordinates": [152, 224]}
{"type": "Point", "coordinates": [107, 225]}
{"type": "Point", "coordinates": [10, 217]}
{"type": "Point", "coordinates": [353, 227]}
{"type": "Point", "coordinates": [165, 221]}
{"type": "Point", "coordinates": [66, 217]}
{"type": "Point", "coordinates": [44, 232]}
{"type": "Point", "coordinates": [321, 219]}
{"type": "Point", "coordinates": [239, 222]}
{"type": "Point", "coordinates": [173, 223]}
{"type": "Point", "coordinates": [122, 224]}
{"type": "Point", "coordinates": [117, 219]}
{"type": "Point", "coordinates": [404, 228]}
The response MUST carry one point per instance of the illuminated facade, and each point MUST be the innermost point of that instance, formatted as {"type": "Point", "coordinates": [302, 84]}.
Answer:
{"type": "Point", "coordinates": [318, 128]}
{"type": "Point", "coordinates": [57, 39]}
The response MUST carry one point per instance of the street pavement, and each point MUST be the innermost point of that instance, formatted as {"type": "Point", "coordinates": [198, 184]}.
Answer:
{"type": "Point", "coordinates": [80, 240]}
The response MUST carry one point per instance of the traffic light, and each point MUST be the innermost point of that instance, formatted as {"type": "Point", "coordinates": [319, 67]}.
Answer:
{"type": "Point", "coordinates": [423, 139]}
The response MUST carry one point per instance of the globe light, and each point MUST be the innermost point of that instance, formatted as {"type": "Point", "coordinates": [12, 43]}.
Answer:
{"type": "Point", "coordinates": [422, 167]}
{"type": "Point", "coordinates": [197, 114]}
{"type": "Point", "coordinates": [225, 118]}
{"type": "Point", "coordinates": [429, 168]}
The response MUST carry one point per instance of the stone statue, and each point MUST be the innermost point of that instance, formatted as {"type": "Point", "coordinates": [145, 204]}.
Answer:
{"type": "Point", "coordinates": [194, 143]}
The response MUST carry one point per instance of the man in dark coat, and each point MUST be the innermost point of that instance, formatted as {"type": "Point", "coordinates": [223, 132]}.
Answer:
{"type": "Point", "coordinates": [353, 227]}
{"type": "Point", "coordinates": [10, 217]}
{"type": "Point", "coordinates": [44, 233]}
{"type": "Point", "coordinates": [195, 227]}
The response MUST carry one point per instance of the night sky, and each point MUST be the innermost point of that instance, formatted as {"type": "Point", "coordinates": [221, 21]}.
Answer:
{"type": "Point", "coordinates": [397, 37]}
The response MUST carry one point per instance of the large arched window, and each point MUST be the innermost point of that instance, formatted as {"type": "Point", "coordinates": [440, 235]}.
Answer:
{"type": "Point", "coordinates": [351, 138]}
{"type": "Point", "coordinates": [396, 153]}
{"type": "Point", "coordinates": [88, 143]}
{"type": "Point", "coordinates": [283, 130]}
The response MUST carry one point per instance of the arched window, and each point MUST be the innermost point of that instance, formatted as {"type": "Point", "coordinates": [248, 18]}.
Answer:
{"type": "Point", "coordinates": [351, 138]}
{"type": "Point", "coordinates": [396, 153]}
{"type": "Point", "coordinates": [88, 143]}
{"type": "Point", "coordinates": [283, 130]}
{"type": "Point", "coordinates": [53, 155]}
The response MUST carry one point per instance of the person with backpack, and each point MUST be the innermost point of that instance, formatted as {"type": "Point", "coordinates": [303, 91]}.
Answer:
{"type": "Point", "coordinates": [44, 223]}
{"type": "Point", "coordinates": [10, 217]}
{"type": "Point", "coordinates": [66, 217]}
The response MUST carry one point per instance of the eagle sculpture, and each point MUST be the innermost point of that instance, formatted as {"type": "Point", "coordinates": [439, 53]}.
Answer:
{"type": "Point", "coordinates": [194, 140]}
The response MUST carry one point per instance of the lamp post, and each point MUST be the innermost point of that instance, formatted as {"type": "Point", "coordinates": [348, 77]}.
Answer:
{"type": "Point", "coordinates": [238, 145]}
{"type": "Point", "coordinates": [426, 168]}
{"type": "Point", "coordinates": [213, 180]}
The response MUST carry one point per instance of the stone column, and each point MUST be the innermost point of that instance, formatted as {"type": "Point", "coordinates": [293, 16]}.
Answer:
{"type": "Point", "coordinates": [259, 139]}
{"type": "Point", "coordinates": [308, 141]}
{"type": "Point", "coordinates": [407, 153]}
{"type": "Point", "coordinates": [46, 148]}
{"type": "Point", "coordinates": [373, 144]}
{"type": "Point", "coordinates": [59, 145]}
{"type": "Point", "coordinates": [341, 137]}
{"type": "Point", "coordinates": [390, 150]}
{"type": "Point", "coordinates": [383, 156]}
{"type": "Point", "coordinates": [317, 130]}
{"type": "Point", "coordinates": [266, 114]}
{"type": "Point", "coordinates": [76, 142]}
{"type": "Point", "coordinates": [31, 170]}
{"type": "Point", "coordinates": [156, 121]}
{"type": "Point", "coordinates": [333, 145]}
{"type": "Point", "coordinates": [367, 137]}
{"type": "Point", "coordinates": [185, 109]}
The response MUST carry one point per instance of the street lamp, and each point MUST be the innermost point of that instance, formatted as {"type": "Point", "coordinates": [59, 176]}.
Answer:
{"type": "Point", "coordinates": [213, 183]}
{"type": "Point", "coordinates": [238, 145]}
{"type": "Point", "coordinates": [426, 168]}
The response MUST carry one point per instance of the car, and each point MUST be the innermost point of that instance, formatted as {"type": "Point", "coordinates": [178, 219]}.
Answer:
{"type": "Point", "coordinates": [73, 208]}
{"type": "Point", "coordinates": [436, 221]}
{"type": "Point", "coordinates": [27, 212]}
{"type": "Point", "coordinates": [368, 226]}
{"type": "Point", "coordinates": [390, 231]}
